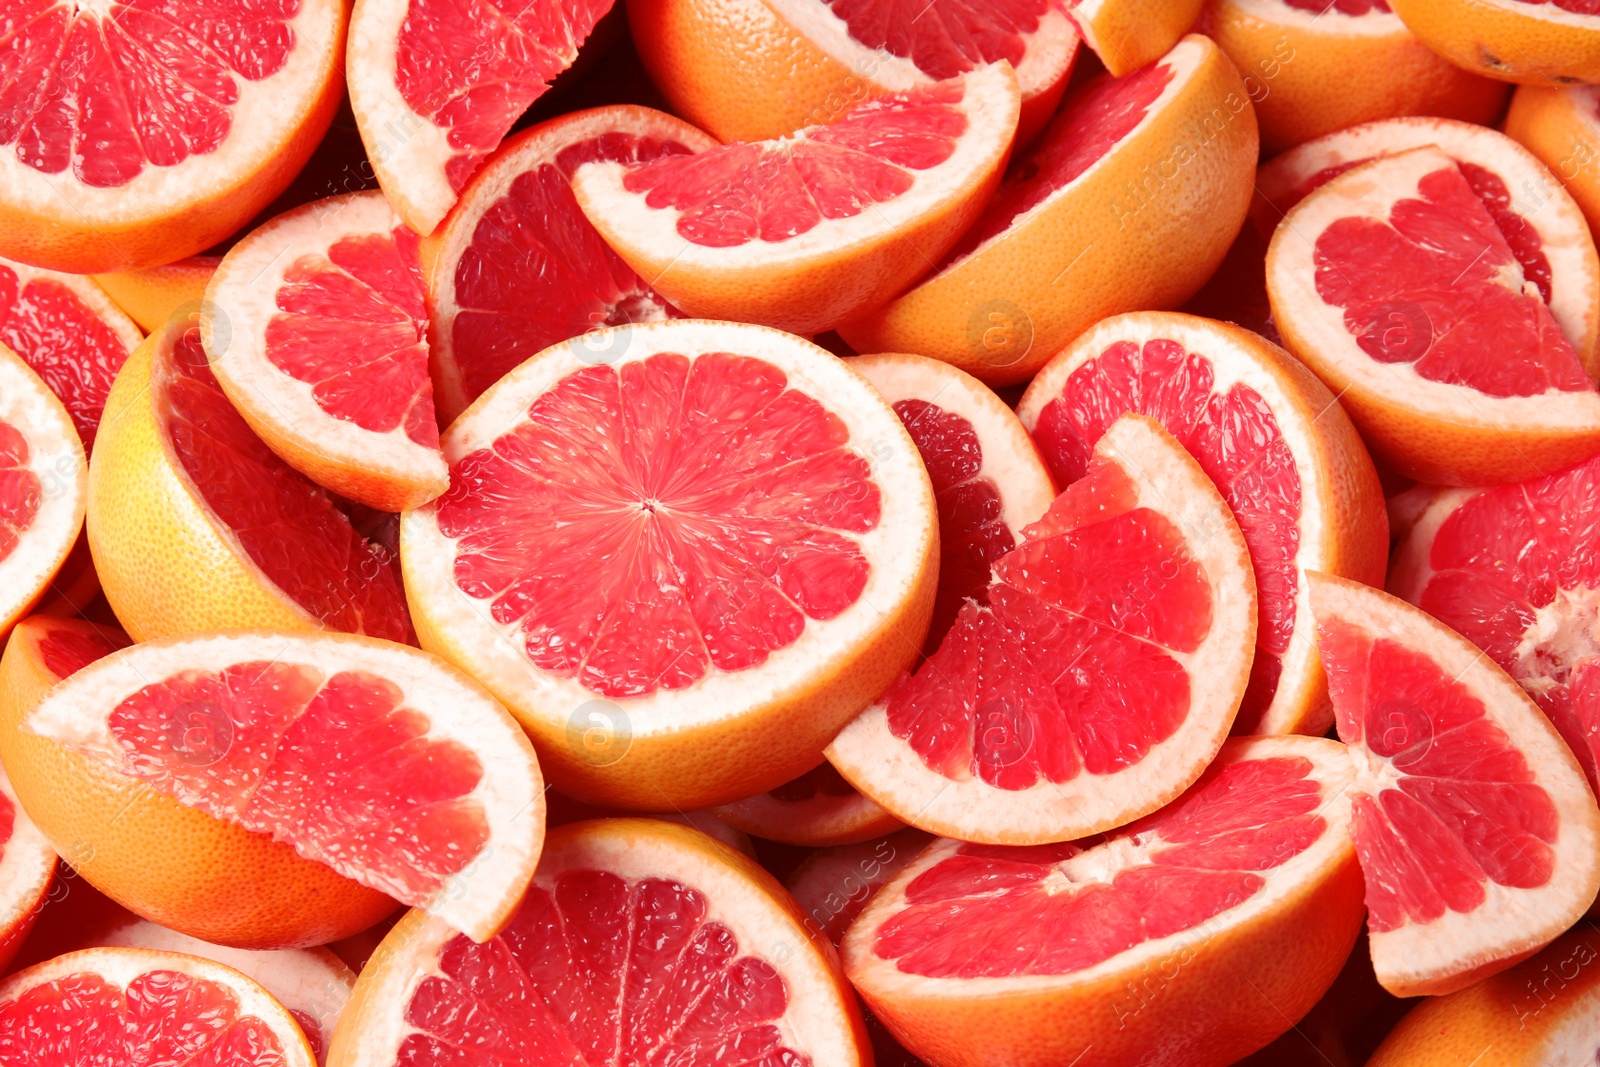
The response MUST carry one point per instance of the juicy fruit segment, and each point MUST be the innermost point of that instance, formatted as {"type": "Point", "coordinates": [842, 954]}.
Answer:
{"type": "Point", "coordinates": [65, 651]}
{"type": "Point", "coordinates": [21, 493]}
{"type": "Point", "coordinates": [947, 37]}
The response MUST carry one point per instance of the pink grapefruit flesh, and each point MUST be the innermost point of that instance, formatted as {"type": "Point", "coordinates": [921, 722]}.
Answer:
{"type": "Point", "coordinates": [20, 490]}
{"type": "Point", "coordinates": [946, 37]}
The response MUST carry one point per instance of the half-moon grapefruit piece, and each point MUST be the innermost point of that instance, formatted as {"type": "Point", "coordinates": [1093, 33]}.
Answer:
{"type": "Point", "coordinates": [639, 941]}
{"type": "Point", "coordinates": [1099, 677]}
{"type": "Point", "coordinates": [27, 869]}
{"type": "Point", "coordinates": [1536, 42]}
{"type": "Point", "coordinates": [1194, 936]}
{"type": "Point", "coordinates": [1477, 834]}
{"type": "Point", "coordinates": [1562, 128]}
{"type": "Point", "coordinates": [1080, 230]}
{"type": "Point", "coordinates": [834, 884]}
{"type": "Point", "coordinates": [808, 230]}
{"type": "Point", "coordinates": [817, 809]}
{"type": "Point", "coordinates": [1395, 285]}
{"type": "Point", "coordinates": [683, 569]}
{"type": "Point", "coordinates": [1129, 34]}
{"type": "Point", "coordinates": [1275, 443]}
{"type": "Point", "coordinates": [515, 267]}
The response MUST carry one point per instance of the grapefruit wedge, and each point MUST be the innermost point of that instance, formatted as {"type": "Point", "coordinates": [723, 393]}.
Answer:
{"type": "Point", "coordinates": [1536, 42]}
{"type": "Point", "coordinates": [1099, 677]}
{"type": "Point", "coordinates": [1129, 34]}
{"type": "Point", "coordinates": [1562, 128]}
{"type": "Point", "coordinates": [1395, 285]}
{"type": "Point", "coordinates": [1275, 443]}
{"type": "Point", "coordinates": [639, 941]}
{"type": "Point", "coordinates": [813, 228]}
{"type": "Point", "coordinates": [1194, 936]}
{"type": "Point", "coordinates": [1478, 837]}
{"type": "Point", "coordinates": [818, 808]}
{"type": "Point", "coordinates": [515, 267]}
{"type": "Point", "coordinates": [683, 569]}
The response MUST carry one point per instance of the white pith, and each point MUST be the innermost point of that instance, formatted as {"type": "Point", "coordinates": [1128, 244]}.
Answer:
{"type": "Point", "coordinates": [1328, 23]}
{"type": "Point", "coordinates": [1546, 13]}
{"type": "Point", "coordinates": [93, 297]}
{"type": "Point", "coordinates": [27, 864]}
{"type": "Point", "coordinates": [511, 793]}
{"type": "Point", "coordinates": [887, 769]}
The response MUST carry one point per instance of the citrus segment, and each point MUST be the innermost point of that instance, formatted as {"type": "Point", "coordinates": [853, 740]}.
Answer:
{"type": "Point", "coordinates": [1562, 128]}
{"type": "Point", "coordinates": [1129, 34]}
{"type": "Point", "coordinates": [818, 808]}
{"type": "Point", "coordinates": [1537, 42]}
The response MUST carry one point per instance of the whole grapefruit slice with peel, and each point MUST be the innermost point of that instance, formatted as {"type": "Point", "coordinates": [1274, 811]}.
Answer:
{"type": "Point", "coordinates": [27, 869]}
{"type": "Point", "coordinates": [135, 133]}
{"type": "Point", "coordinates": [827, 223]}
{"type": "Point", "coordinates": [316, 330]}
{"type": "Point", "coordinates": [683, 553]}
{"type": "Point", "coordinates": [210, 879]}
{"type": "Point", "coordinates": [1275, 443]}
{"type": "Point", "coordinates": [1084, 226]}
{"type": "Point", "coordinates": [1395, 285]}
{"type": "Point", "coordinates": [638, 941]}
{"type": "Point", "coordinates": [816, 809]}
{"type": "Point", "coordinates": [1194, 936]}
{"type": "Point", "coordinates": [1562, 128]}
{"type": "Point", "coordinates": [1130, 34]}
{"type": "Point", "coordinates": [1479, 839]}
{"type": "Point", "coordinates": [373, 758]}
{"type": "Point", "coordinates": [435, 85]}
{"type": "Point", "coordinates": [153, 295]}
{"type": "Point", "coordinates": [833, 884]}
{"type": "Point", "coordinates": [1536, 42]}
{"type": "Point", "coordinates": [1097, 679]}
{"type": "Point", "coordinates": [515, 267]}
{"type": "Point", "coordinates": [197, 525]}
{"type": "Point", "coordinates": [134, 1005]}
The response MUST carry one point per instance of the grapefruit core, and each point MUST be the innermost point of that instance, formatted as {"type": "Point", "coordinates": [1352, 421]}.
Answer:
{"type": "Point", "coordinates": [817, 809]}
{"type": "Point", "coordinates": [1536, 42]}
{"type": "Point", "coordinates": [1562, 128]}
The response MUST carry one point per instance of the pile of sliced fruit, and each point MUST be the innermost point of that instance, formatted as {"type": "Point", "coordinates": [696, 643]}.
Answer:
{"type": "Point", "coordinates": [799, 533]}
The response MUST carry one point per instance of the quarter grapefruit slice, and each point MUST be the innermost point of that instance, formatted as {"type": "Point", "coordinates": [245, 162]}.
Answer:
{"type": "Point", "coordinates": [315, 328]}
{"type": "Point", "coordinates": [515, 267]}
{"type": "Point", "coordinates": [1097, 219]}
{"type": "Point", "coordinates": [1562, 128]}
{"type": "Point", "coordinates": [1099, 677]}
{"type": "Point", "coordinates": [813, 228]}
{"type": "Point", "coordinates": [834, 884]}
{"type": "Point", "coordinates": [816, 809]}
{"type": "Point", "coordinates": [1395, 285]}
{"type": "Point", "coordinates": [1130, 34]}
{"type": "Point", "coordinates": [1537, 42]}
{"type": "Point", "coordinates": [1275, 443]}
{"type": "Point", "coordinates": [1194, 936]}
{"type": "Point", "coordinates": [1478, 837]}
{"type": "Point", "coordinates": [198, 526]}
{"type": "Point", "coordinates": [639, 941]}
{"type": "Point", "coordinates": [683, 569]}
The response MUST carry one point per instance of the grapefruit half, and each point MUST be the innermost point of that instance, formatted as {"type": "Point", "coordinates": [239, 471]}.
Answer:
{"type": "Point", "coordinates": [1562, 128]}
{"type": "Point", "coordinates": [818, 808]}
{"type": "Point", "coordinates": [1537, 42]}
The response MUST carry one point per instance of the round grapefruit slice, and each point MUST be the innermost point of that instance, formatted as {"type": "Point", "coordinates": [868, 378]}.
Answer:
{"type": "Point", "coordinates": [683, 568]}
{"type": "Point", "coordinates": [515, 267]}
{"type": "Point", "coordinates": [1537, 42]}
{"type": "Point", "coordinates": [1275, 443]}
{"type": "Point", "coordinates": [1478, 837]}
{"type": "Point", "coordinates": [1097, 679]}
{"type": "Point", "coordinates": [1129, 34]}
{"type": "Point", "coordinates": [1129, 201]}
{"type": "Point", "coordinates": [315, 328]}
{"type": "Point", "coordinates": [137, 133]}
{"type": "Point", "coordinates": [151, 296]}
{"type": "Point", "coordinates": [816, 809]}
{"type": "Point", "coordinates": [834, 884]}
{"type": "Point", "coordinates": [811, 229]}
{"type": "Point", "coordinates": [198, 526]}
{"type": "Point", "coordinates": [1395, 285]}
{"type": "Point", "coordinates": [1562, 128]}
{"type": "Point", "coordinates": [27, 869]}
{"type": "Point", "coordinates": [638, 941]}
{"type": "Point", "coordinates": [1194, 936]}
{"type": "Point", "coordinates": [373, 758]}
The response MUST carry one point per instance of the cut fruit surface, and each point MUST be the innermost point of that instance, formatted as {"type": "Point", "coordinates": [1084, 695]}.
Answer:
{"type": "Point", "coordinates": [1129, 34]}
{"type": "Point", "coordinates": [27, 868]}
{"type": "Point", "coordinates": [1274, 442]}
{"type": "Point", "coordinates": [637, 940]}
{"type": "Point", "coordinates": [833, 884]}
{"type": "Point", "coordinates": [1479, 839]}
{"type": "Point", "coordinates": [1537, 42]}
{"type": "Point", "coordinates": [679, 568]}
{"type": "Point", "coordinates": [1395, 285]}
{"type": "Point", "coordinates": [315, 328]}
{"type": "Point", "coordinates": [375, 759]}
{"type": "Point", "coordinates": [818, 808]}
{"type": "Point", "coordinates": [515, 267]}
{"type": "Point", "coordinates": [1078, 231]}
{"type": "Point", "coordinates": [808, 230]}
{"type": "Point", "coordinates": [1562, 128]}
{"type": "Point", "coordinates": [1099, 678]}
{"type": "Point", "coordinates": [198, 526]}
{"type": "Point", "coordinates": [1213, 922]}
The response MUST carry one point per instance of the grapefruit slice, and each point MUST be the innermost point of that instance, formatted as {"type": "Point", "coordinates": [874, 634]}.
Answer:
{"type": "Point", "coordinates": [816, 809]}
{"type": "Point", "coordinates": [1395, 285]}
{"type": "Point", "coordinates": [808, 230]}
{"type": "Point", "coordinates": [136, 133]}
{"type": "Point", "coordinates": [834, 884]}
{"type": "Point", "coordinates": [1098, 679]}
{"type": "Point", "coordinates": [373, 758]}
{"type": "Point", "coordinates": [1129, 34]}
{"type": "Point", "coordinates": [1278, 448]}
{"type": "Point", "coordinates": [639, 941]}
{"type": "Point", "coordinates": [683, 569]}
{"type": "Point", "coordinates": [1195, 936]}
{"type": "Point", "coordinates": [1478, 837]}
{"type": "Point", "coordinates": [315, 328]}
{"type": "Point", "coordinates": [198, 526]}
{"type": "Point", "coordinates": [151, 296]}
{"type": "Point", "coordinates": [27, 869]}
{"type": "Point", "coordinates": [1562, 128]}
{"type": "Point", "coordinates": [1080, 229]}
{"type": "Point", "coordinates": [435, 85]}
{"type": "Point", "coordinates": [516, 268]}
{"type": "Point", "coordinates": [1537, 42]}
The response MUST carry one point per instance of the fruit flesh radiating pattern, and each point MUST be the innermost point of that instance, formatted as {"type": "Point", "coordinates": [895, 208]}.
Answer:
{"type": "Point", "coordinates": [651, 523]}
{"type": "Point", "coordinates": [21, 494]}
{"type": "Point", "coordinates": [594, 970]}
{"type": "Point", "coordinates": [1235, 438]}
{"type": "Point", "coordinates": [944, 38]}
{"type": "Point", "coordinates": [994, 911]}
{"type": "Point", "coordinates": [152, 82]}
{"type": "Point", "coordinates": [1069, 667]}
{"type": "Point", "coordinates": [1464, 809]}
